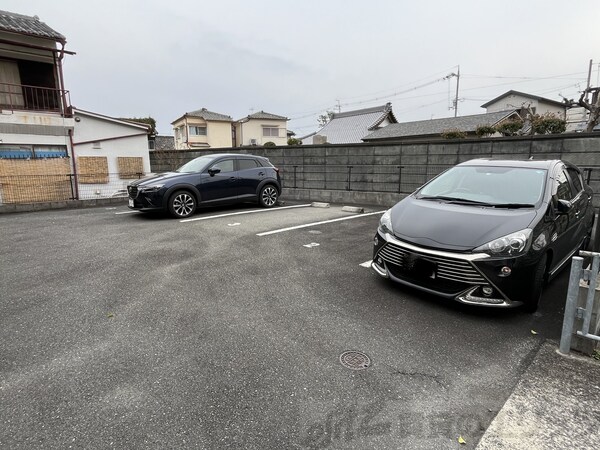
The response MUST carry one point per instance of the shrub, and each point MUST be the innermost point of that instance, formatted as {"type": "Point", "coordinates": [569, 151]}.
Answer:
{"type": "Point", "coordinates": [548, 123]}
{"type": "Point", "coordinates": [270, 144]}
{"type": "Point", "coordinates": [484, 130]}
{"type": "Point", "coordinates": [453, 133]}
{"type": "Point", "coordinates": [510, 127]}
{"type": "Point", "coordinates": [294, 141]}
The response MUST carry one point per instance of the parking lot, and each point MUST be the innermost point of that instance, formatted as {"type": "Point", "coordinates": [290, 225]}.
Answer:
{"type": "Point", "coordinates": [126, 330]}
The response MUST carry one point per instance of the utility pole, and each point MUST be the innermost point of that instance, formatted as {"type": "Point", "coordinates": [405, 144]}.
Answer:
{"type": "Point", "coordinates": [589, 80]}
{"type": "Point", "coordinates": [455, 101]}
{"type": "Point", "coordinates": [456, 97]}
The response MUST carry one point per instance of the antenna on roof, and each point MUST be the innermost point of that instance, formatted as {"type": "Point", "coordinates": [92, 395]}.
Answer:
{"type": "Point", "coordinates": [338, 106]}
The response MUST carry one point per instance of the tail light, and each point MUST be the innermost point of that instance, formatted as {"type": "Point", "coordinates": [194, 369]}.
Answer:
{"type": "Point", "coordinates": [276, 169]}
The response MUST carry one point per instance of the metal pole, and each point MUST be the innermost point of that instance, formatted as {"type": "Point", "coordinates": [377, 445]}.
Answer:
{"type": "Point", "coordinates": [591, 291]}
{"type": "Point", "coordinates": [571, 305]}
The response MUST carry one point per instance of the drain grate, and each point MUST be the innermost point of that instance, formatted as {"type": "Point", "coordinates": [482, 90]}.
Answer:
{"type": "Point", "coordinates": [355, 360]}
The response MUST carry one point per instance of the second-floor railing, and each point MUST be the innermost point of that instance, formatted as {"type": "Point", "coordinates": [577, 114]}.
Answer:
{"type": "Point", "coordinates": [20, 97]}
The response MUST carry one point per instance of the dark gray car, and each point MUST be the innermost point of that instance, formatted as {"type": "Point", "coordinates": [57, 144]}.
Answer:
{"type": "Point", "coordinates": [487, 232]}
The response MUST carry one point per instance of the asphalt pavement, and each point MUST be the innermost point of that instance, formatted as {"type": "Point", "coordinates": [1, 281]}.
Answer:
{"type": "Point", "coordinates": [125, 330]}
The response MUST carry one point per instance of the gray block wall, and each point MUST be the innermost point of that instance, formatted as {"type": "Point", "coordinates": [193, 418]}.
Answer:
{"type": "Point", "coordinates": [383, 173]}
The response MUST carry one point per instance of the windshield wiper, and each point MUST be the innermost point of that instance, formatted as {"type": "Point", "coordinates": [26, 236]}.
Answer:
{"type": "Point", "coordinates": [513, 205]}
{"type": "Point", "coordinates": [456, 200]}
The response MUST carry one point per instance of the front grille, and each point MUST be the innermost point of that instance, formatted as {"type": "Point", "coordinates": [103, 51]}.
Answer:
{"type": "Point", "coordinates": [132, 191]}
{"type": "Point", "coordinates": [409, 263]}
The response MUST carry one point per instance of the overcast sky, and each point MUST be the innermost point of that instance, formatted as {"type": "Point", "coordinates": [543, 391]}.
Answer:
{"type": "Point", "coordinates": [298, 59]}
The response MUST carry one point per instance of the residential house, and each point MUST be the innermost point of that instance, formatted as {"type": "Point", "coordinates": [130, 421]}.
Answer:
{"type": "Point", "coordinates": [352, 126]}
{"type": "Point", "coordinates": [433, 129]}
{"type": "Point", "coordinates": [163, 143]}
{"type": "Point", "coordinates": [203, 129]}
{"type": "Point", "coordinates": [36, 120]}
{"type": "Point", "coordinates": [49, 150]}
{"type": "Point", "coordinates": [520, 100]}
{"type": "Point", "coordinates": [109, 153]}
{"type": "Point", "coordinates": [259, 128]}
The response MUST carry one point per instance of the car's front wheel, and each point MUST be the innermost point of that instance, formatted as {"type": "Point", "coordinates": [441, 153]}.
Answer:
{"type": "Point", "coordinates": [268, 196]}
{"type": "Point", "coordinates": [531, 304]}
{"type": "Point", "coordinates": [182, 204]}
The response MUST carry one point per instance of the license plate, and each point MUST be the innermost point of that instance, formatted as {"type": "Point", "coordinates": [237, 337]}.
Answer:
{"type": "Point", "coordinates": [131, 203]}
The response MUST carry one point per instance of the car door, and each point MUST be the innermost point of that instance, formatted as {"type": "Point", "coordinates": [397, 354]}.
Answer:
{"type": "Point", "coordinates": [581, 202]}
{"type": "Point", "coordinates": [219, 182]}
{"type": "Point", "coordinates": [565, 233]}
{"type": "Point", "coordinates": [250, 174]}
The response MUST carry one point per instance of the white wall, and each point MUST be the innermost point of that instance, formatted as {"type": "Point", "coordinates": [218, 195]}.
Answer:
{"type": "Point", "coordinates": [515, 101]}
{"type": "Point", "coordinates": [253, 129]}
{"type": "Point", "coordinates": [129, 143]}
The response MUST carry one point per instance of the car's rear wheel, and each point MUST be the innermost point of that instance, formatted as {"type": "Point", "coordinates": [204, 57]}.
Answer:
{"type": "Point", "coordinates": [182, 204]}
{"type": "Point", "coordinates": [531, 304]}
{"type": "Point", "coordinates": [268, 196]}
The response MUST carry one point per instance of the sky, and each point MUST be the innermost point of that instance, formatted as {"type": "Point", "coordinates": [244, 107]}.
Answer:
{"type": "Point", "coordinates": [301, 58]}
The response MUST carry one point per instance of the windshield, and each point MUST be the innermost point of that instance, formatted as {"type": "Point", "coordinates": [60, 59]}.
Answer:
{"type": "Point", "coordinates": [494, 186]}
{"type": "Point", "coordinates": [196, 165]}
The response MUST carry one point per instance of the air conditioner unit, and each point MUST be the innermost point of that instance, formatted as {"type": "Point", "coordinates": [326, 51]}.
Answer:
{"type": "Point", "coordinates": [253, 142]}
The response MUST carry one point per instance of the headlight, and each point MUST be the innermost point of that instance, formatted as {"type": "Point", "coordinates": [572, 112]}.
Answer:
{"type": "Point", "coordinates": [513, 244]}
{"type": "Point", "coordinates": [385, 223]}
{"type": "Point", "coordinates": [150, 188]}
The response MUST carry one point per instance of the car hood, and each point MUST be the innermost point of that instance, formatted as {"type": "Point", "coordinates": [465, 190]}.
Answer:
{"type": "Point", "coordinates": [155, 178]}
{"type": "Point", "coordinates": [455, 227]}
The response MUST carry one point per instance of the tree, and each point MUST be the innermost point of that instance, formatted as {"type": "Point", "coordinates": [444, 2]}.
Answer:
{"type": "Point", "coordinates": [592, 107]}
{"type": "Point", "coordinates": [324, 119]}
{"type": "Point", "coordinates": [145, 120]}
{"type": "Point", "coordinates": [548, 124]}
{"type": "Point", "coordinates": [294, 141]}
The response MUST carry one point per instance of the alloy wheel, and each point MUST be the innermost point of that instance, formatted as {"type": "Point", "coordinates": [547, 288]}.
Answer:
{"type": "Point", "coordinates": [183, 205]}
{"type": "Point", "coordinates": [269, 196]}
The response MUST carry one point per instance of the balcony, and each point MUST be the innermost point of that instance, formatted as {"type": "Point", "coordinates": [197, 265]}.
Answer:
{"type": "Point", "coordinates": [19, 97]}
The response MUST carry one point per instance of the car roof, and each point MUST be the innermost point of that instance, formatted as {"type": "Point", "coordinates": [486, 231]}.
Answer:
{"type": "Point", "coordinates": [236, 155]}
{"type": "Point", "coordinates": [524, 163]}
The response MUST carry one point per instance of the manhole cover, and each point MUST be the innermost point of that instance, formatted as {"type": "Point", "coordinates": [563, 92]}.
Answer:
{"type": "Point", "coordinates": [355, 360]}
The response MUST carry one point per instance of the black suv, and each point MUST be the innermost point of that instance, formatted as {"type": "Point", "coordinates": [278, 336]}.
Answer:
{"type": "Point", "coordinates": [208, 180]}
{"type": "Point", "coordinates": [487, 232]}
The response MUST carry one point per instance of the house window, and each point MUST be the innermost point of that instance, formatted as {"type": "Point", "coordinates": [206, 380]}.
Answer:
{"type": "Point", "coordinates": [197, 131]}
{"type": "Point", "coordinates": [271, 131]}
{"type": "Point", "coordinates": [96, 145]}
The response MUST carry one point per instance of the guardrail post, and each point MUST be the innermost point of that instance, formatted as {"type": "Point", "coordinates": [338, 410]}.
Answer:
{"type": "Point", "coordinates": [571, 305]}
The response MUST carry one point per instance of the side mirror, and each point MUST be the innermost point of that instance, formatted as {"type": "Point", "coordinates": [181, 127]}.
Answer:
{"type": "Point", "coordinates": [213, 172]}
{"type": "Point", "coordinates": [563, 206]}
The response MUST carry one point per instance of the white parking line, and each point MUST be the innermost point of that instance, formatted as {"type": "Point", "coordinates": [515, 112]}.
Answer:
{"type": "Point", "coordinates": [243, 212]}
{"type": "Point", "coordinates": [281, 230]}
{"type": "Point", "coordinates": [127, 212]}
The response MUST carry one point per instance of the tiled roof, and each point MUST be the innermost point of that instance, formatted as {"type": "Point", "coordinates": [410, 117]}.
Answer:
{"type": "Point", "coordinates": [209, 115]}
{"type": "Point", "coordinates": [351, 126]}
{"type": "Point", "coordinates": [18, 23]}
{"type": "Point", "coordinates": [437, 126]}
{"type": "Point", "coordinates": [264, 116]}
{"type": "Point", "coordinates": [162, 143]}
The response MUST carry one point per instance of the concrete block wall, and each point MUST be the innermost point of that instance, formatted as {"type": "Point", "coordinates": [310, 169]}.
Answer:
{"type": "Point", "coordinates": [385, 172]}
